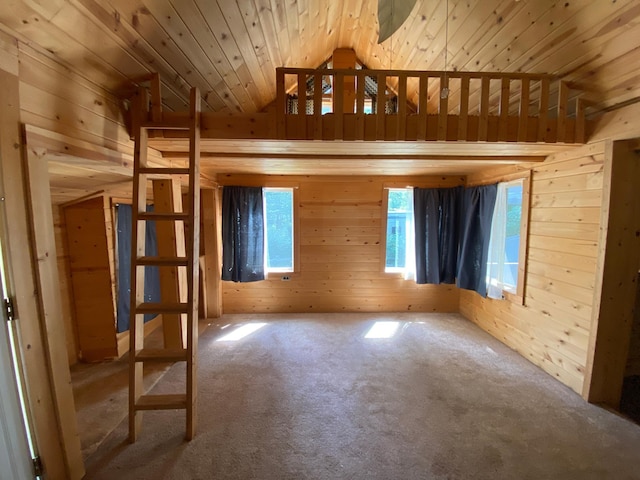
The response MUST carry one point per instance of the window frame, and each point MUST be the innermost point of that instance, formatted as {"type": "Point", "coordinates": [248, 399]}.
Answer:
{"type": "Point", "coordinates": [517, 294]}
{"type": "Point", "coordinates": [394, 271]}
{"type": "Point", "coordinates": [295, 234]}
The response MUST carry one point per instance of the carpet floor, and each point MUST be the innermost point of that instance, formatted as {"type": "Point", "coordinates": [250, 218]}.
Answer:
{"type": "Point", "coordinates": [311, 397]}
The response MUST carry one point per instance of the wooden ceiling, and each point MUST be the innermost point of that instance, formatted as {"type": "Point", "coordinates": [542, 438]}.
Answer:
{"type": "Point", "coordinates": [230, 50]}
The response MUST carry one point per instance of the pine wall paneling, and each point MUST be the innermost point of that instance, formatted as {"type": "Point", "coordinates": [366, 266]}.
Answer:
{"type": "Point", "coordinates": [341, 249]}
{"type": "Point", "coordinates": [553, 327]}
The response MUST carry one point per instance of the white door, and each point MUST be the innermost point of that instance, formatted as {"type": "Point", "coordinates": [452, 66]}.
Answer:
{"type": "Point", "coordinates": [15, 458]}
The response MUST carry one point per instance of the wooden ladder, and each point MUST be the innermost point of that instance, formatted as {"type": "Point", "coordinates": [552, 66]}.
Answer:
{"type": "Point", "coordinates": [190, 216]}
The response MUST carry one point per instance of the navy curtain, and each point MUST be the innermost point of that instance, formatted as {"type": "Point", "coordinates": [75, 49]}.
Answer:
{"type": "Point", "coordinates": [436, 218]}
{"type": "Point", "coordinates": [242, 234]}
{"type": "Point", "coordinates": [475, 231]}
{"type": "Point", "coordinates": [151, 274]}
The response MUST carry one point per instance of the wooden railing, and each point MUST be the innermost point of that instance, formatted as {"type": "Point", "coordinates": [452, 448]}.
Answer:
{"type": "Point", "coordinates": [485, 107]}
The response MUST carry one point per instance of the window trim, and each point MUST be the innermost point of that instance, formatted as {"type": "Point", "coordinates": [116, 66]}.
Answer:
{"type": "Point", "coordinates": [517, 295]}
{"type": "Point", "coordinates": [392, 271]}
{"type": "Point", "coordinates": [296, 232]}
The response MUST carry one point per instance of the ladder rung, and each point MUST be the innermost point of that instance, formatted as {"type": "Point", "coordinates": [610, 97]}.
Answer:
{"type": "Point", "coordinates": [163, 216]}
{"type": "Point", "coordinates": [175, 124]}
{"type": "Point", "coordinates": [163, 261]}
{"type": "Point", "coordinates": [162, 402]}
{"type": "Point", "coordinates": [161, 355]}
{"type": "Point", "coordinates": [163, 171]}
{"type": "Point", "coordinates": [149, 307]}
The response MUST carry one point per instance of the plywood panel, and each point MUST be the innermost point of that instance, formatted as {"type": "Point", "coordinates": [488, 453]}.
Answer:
{"type": "Point", "coordinates": [90, 246]}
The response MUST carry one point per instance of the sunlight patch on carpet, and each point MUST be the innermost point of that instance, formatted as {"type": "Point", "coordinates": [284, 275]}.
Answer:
{"type": "Point", "coordinates": [241, 332]}
{"type": "Point", "coordinates": [383, 330]}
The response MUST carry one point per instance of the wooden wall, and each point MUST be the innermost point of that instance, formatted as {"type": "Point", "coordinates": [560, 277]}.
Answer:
{"type": "Point", "coordinates": [552, 328]}
{"type": "Point", "coordinates": [341, 253]}
{"type": "Point", "coordinates": [92, 268]}
{"type": "Point", "coordinates": [66, 294]}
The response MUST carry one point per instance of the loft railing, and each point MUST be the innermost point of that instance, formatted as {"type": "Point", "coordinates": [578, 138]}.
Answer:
{"type": "Point", "coordinates": [331, 104]}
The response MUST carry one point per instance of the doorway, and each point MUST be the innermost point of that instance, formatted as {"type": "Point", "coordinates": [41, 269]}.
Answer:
{"type": "Point", "coordinates": [630, 399]}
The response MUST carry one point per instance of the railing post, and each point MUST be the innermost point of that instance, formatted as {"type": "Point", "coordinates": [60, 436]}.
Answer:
{"type": "Point", "coordinates": [443, 110]}
{"type": "Point", "coordinates": [563, 99]}
{"type": "Point", "coordinates": [302, 105]}
{"type": "Point", "coordinates": [463, 116]}
{"type": "Point", "coordinates": [281, 104]}
{"type": "Point", "coordinates": [381, 106]}
{"type": "Point", "coordinates": [361, 79]}
{"type": "Point", "coordinates": [580, 121]}
{"type": "Point", "coordinates": [317, 105]}
{"type": "Point", "coordinates": [543, 111]}
{"type": "Point", "coordinates": [338, 104]}
{"type": "Point", "coordinates": [423, 90]}
{"type": "Point", "coordinates": [483, 123]}
{"type": "Point", "coordinates": [401, 127]}
{"type": "Point", "coordinates": [503, 121]}
{"type": "Point", "coordinates": [523, 121]}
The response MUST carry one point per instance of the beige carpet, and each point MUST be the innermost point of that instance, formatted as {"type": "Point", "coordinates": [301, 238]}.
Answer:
{"type": "Point", "coordinates": [309, 397]}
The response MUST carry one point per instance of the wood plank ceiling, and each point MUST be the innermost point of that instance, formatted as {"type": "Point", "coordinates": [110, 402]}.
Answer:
{"type": "Point", "coordinates": [230, 49]}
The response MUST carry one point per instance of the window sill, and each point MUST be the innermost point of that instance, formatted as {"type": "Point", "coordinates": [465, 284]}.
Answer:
{"type": "Point", "coordinates": [513, 297]}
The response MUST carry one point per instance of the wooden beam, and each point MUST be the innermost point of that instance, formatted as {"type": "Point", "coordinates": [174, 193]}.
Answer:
{"type": "Point", "coordinates": [504, 110]}
{"type": "Point", "coordinates": [617, 270]}
{"type": "Point", "coordinates": [212, 231]}
{"type": "Point", "coordinates": [167, 198]}
{"type": "Point", "coordinates": [563, 99]}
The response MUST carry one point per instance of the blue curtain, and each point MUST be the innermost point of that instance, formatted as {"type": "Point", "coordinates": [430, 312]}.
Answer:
{"type": "Point", "coordinates": [151, 274]}
{"type": "Point", "coordinates": [475, 232]}
{"type": "Point", "coordinates": [242, 234]}
{"type": "Point", "coordinates": [437, 220]}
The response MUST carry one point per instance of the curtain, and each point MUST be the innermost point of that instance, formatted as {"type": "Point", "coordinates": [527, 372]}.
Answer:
{"type": "Point", "coordinates": [151, 274]}
{"type": "Point", "coordinates": [436, 218]}
{"type": "Point", "coordinates": [475, 230]}
{"type": "Point", "coordinates": [242, 234]}
{"type": "Point", "coordinates": [497, 247]}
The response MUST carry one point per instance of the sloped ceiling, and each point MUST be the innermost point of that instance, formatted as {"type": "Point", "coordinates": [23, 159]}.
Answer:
{"type": "Point", "coordinates": [230, 49]}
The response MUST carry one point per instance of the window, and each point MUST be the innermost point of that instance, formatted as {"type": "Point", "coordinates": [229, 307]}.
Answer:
{"type": "Point", "coordinates": [505, 244]}
{"type": "Point", "coordinates": [400, 236]}
{"type": "Point", "coordinates": [278, 238]}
